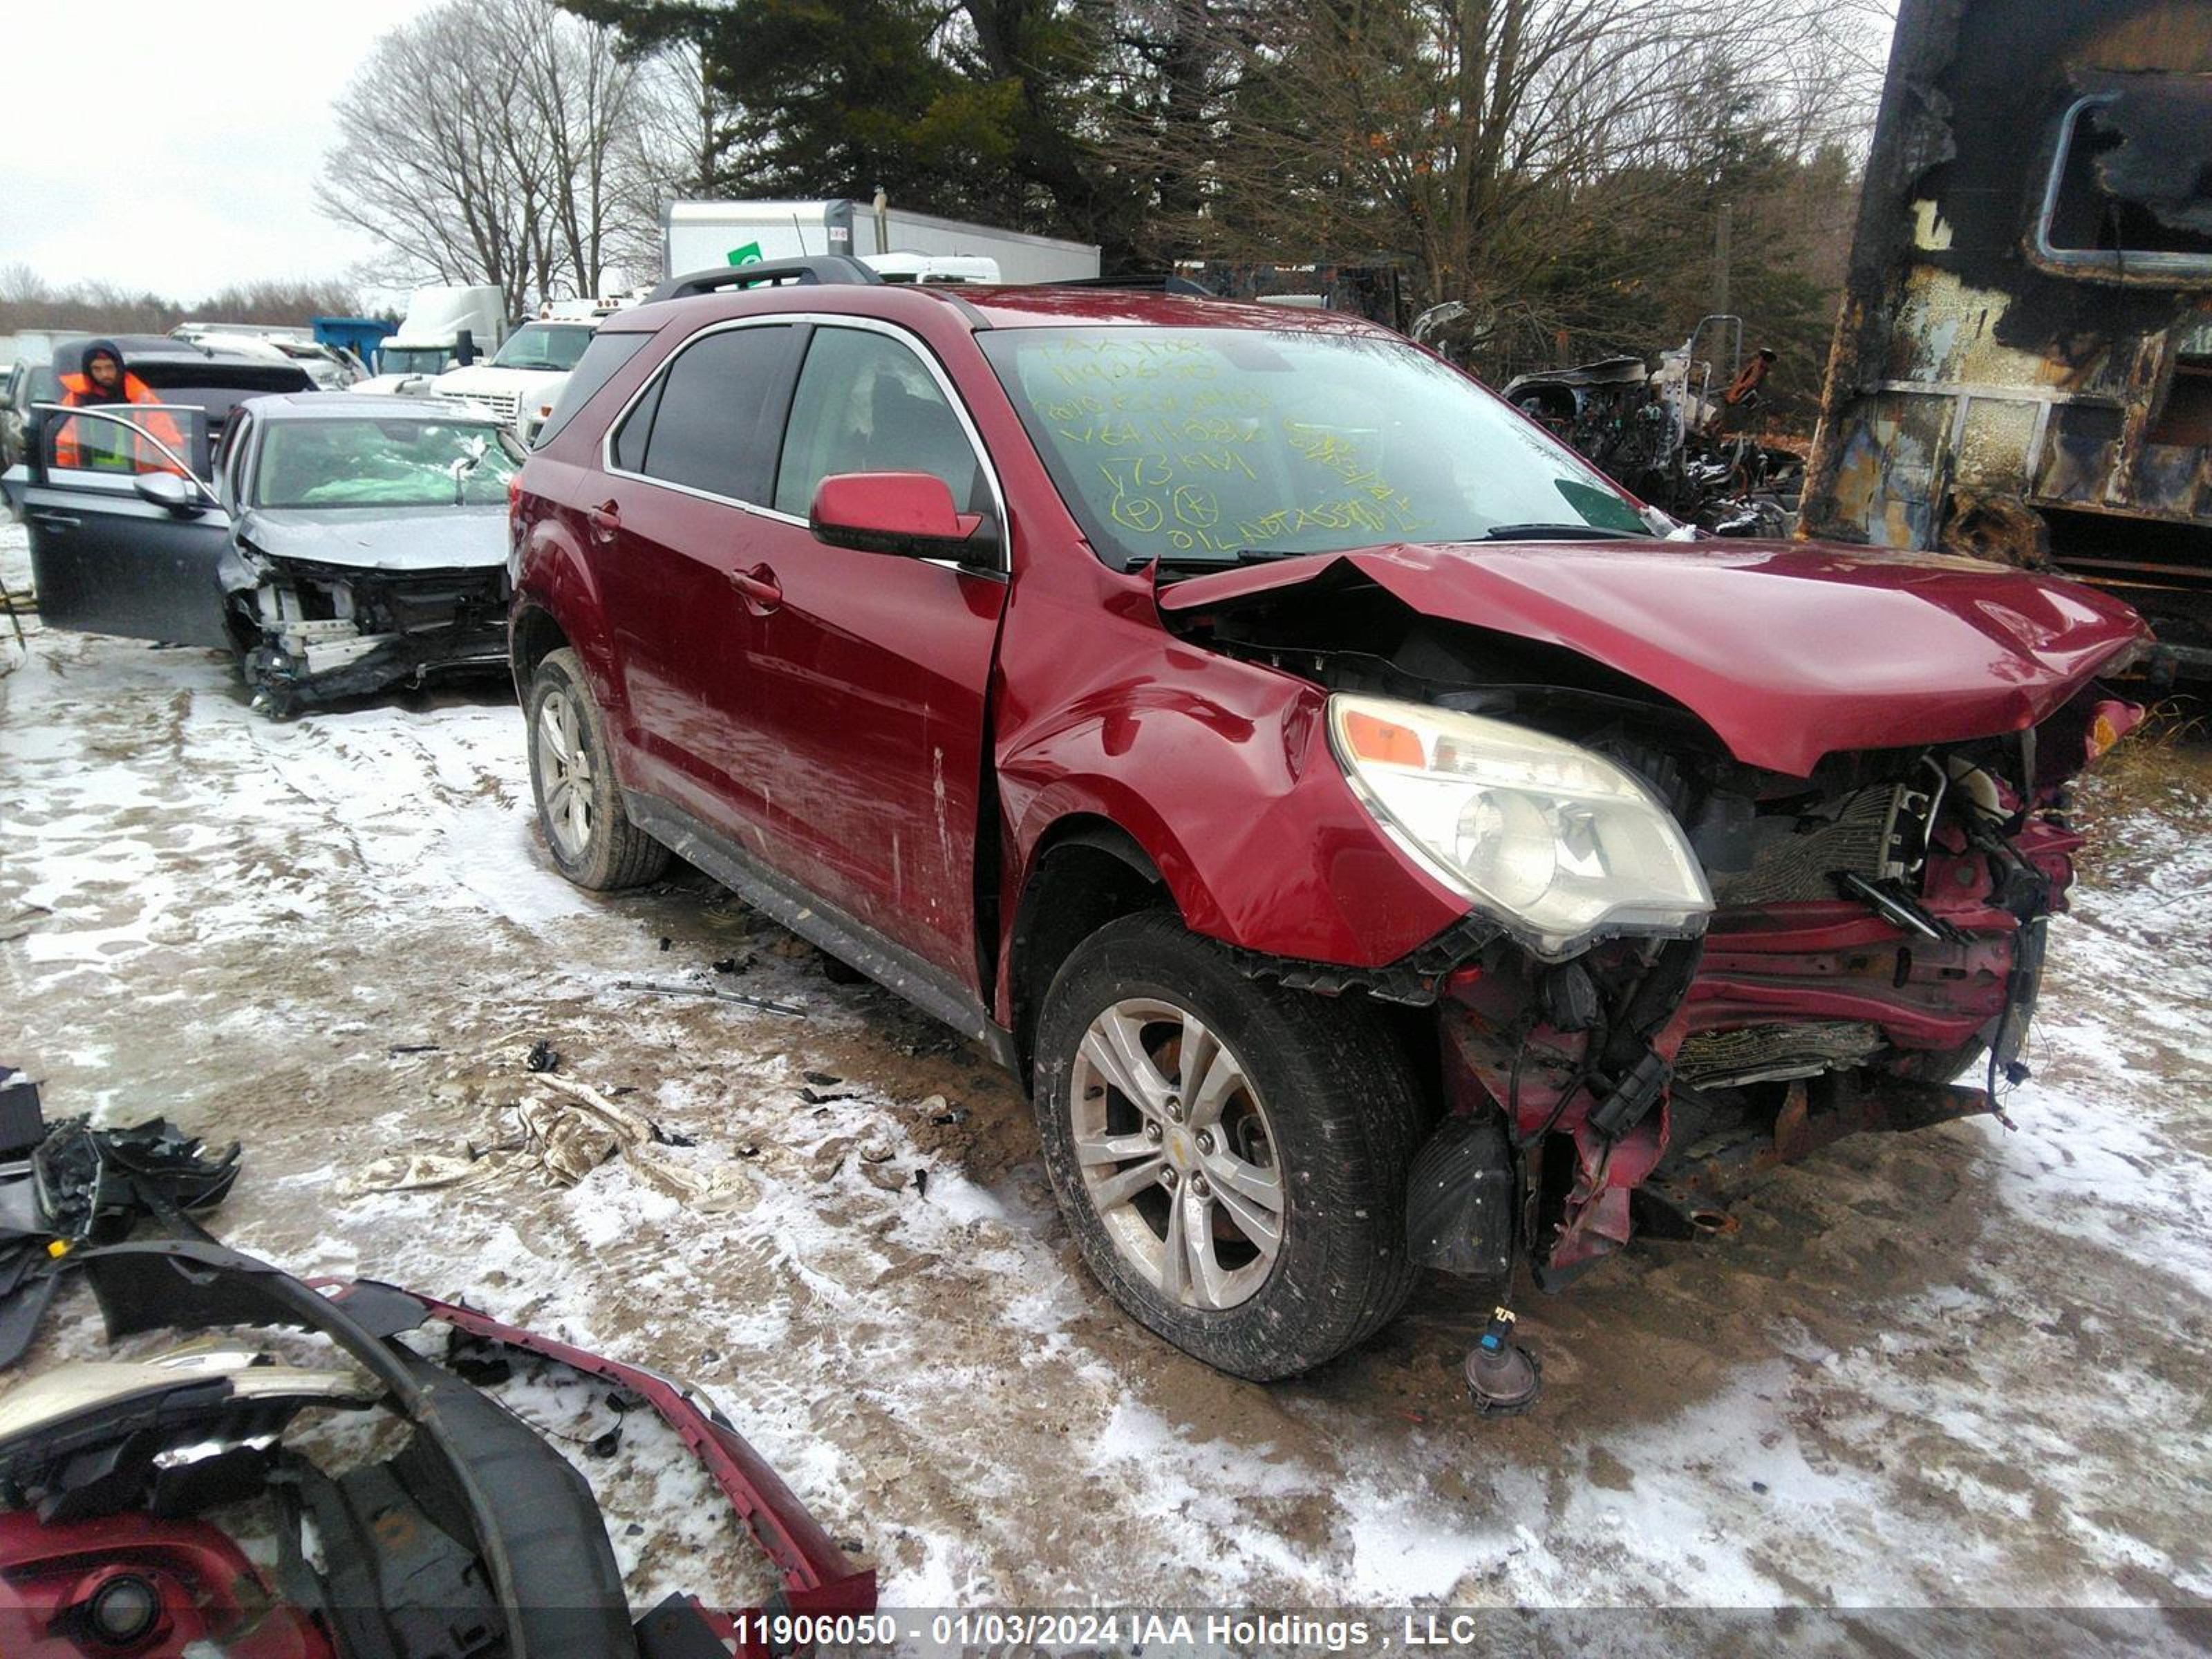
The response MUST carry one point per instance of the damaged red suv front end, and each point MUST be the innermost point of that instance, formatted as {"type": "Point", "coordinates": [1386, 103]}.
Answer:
{"type": "Point", "coordinates": [1867, 757]}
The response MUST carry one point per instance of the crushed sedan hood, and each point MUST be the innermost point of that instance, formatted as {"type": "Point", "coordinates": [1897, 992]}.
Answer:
{"type": "Point", "coordinates": [382, 538]}
{"type": "Point", "coordinates": [1788, 651]}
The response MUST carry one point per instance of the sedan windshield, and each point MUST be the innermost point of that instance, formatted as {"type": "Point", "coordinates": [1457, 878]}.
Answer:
{"type": "Point", "coordinates": [384, 463]}
{"type": "Point", "coordinates": [1205, 445]}
{"type": "Point", "coordinates": [541, 347]}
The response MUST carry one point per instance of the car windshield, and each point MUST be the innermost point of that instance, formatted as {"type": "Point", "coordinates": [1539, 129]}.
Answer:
{"type": "Point", "coordinates": [535, 346]}
{"type": "Point", "coordinates": [384, 463]}
{"type": "Point", "coordinates": [414, 360]}
{"type": "Point", "coordinates": [1199, 445]}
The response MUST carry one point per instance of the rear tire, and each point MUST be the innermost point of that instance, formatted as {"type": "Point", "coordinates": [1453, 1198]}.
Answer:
{"type": "Point", "coordinates": [580, 810]}
{"type": "Point", "coordinates": [1280, 1164]}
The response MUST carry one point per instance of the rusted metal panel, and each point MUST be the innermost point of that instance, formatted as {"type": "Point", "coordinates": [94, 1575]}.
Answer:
{"type": "Point", "coordinates": [2022, 365]}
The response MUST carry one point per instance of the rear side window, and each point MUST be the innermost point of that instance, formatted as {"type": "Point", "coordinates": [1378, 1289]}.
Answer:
{"type": "Point", "coordinates": [602, 360]}
{"type": "Point", "coordinates": [866, 404]}
{"type": "Point", "coordinates": [706, 413]}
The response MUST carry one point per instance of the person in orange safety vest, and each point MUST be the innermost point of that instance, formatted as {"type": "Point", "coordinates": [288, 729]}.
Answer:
{"type": "Point", "coordinates": [105, 446]}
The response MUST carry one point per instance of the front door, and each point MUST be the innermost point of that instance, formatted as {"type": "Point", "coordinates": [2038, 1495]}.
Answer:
{"type": "Point", "coordinates": [866, 675]}
{"type": "Point", "coordinates": [104, 559]}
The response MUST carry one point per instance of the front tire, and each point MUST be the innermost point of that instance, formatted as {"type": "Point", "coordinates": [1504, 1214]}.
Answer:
{"type": "Point", "coordinates": [579, 811]}
{"type": "Point", "coordinates": [1231, 1156]}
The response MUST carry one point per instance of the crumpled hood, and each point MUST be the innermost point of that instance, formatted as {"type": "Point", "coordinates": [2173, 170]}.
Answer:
{"type": "Point", "coordinates": [409, 538]}
{"type": "Point", "coordinates": [1789, 651]}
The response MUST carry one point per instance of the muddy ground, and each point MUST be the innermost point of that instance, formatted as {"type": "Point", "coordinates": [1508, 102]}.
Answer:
{"type": "Point", "coordinates": [1957, 1369]}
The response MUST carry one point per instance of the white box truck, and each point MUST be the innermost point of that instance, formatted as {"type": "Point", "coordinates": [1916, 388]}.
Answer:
{"type": "Point", "coordinates": [701, 235]}
{"type": "Point", "coordinates": [428, 341]}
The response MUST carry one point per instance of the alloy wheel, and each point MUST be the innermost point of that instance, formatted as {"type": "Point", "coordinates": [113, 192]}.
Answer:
{"type": "Point", "coordinates": [564, 776]}
{"type": "Point", "coordinates": [1177, 1154]}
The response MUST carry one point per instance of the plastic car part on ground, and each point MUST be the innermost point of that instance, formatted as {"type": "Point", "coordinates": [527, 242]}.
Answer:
{"type": "Point", "coordinates": [565, 1141]}
{"type": "Point", "coordinates": [68, 1184]}
{"type": "Point", "coordinates": [477, 1537]}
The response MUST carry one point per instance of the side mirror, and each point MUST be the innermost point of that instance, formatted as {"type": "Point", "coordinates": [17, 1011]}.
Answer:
{"type": "Point", "coordinates": [166, 489]}
{"type": "Point", "coordinates": [909, 514]}
{"type": "Point", "coordinates": [465, 347]}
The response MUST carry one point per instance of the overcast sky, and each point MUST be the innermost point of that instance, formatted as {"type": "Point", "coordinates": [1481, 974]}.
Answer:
{"type": "Point", "coordinates": [174, 147]}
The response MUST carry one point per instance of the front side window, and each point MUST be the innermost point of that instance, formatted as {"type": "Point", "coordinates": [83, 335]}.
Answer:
{"type": "Point", "coordinates": [1196, 445]}
{"type": "Point", "coordinates": [700, 424]}
{"type": "Point", "coordinates": [384, 464]}
{"type": "Point", "coordinates": [2130, 184]}
{"type": "Point", "coordinates": [866, 404]}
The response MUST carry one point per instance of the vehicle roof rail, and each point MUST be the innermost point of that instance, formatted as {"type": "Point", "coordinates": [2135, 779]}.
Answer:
{"type": "Point", "coordinates": [1160, 282]}
{"type": "Point", "coordinates": [816, 268]}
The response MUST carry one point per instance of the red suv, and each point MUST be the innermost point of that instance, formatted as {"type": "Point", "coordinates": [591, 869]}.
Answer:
{"type": "Point", "coordinates": [1375, 840]}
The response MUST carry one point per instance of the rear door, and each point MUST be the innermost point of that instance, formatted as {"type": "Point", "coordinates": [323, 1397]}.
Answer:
{"type": "Point", "coordinates": [673, 519]}
{"type": "Point", "coordinates": [104, 560]}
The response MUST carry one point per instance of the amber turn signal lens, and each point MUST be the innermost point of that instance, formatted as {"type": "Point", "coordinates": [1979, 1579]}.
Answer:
{"type": "Point", "coordinates": [1374, 739]}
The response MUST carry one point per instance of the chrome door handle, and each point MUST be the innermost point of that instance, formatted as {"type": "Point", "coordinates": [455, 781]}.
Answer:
{"type": "Point", "coordinates": [53, 520]}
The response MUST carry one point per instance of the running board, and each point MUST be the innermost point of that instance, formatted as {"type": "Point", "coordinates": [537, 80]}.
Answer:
{"type": "Point", "coordinates": [782, 900]}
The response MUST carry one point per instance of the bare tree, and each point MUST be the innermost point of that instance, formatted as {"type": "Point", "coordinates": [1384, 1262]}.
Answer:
{"type": "Point", "coordinates": [477, 145]}
{"type": "Point", "coordinates": [1512, 154]}
{"type": "Point", "coordinates": [672, 148]}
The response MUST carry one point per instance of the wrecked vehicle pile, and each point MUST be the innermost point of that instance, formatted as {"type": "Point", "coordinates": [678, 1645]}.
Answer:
{"type": "Point", "coordinates": [1670, 436]}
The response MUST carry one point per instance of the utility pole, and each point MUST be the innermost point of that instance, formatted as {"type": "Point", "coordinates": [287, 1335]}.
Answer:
{"type": "Point", "coordinates": [1723, 226]}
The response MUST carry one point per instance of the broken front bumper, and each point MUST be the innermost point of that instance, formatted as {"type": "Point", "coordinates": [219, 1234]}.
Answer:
{"type": "Point", "coordinates": [1786, 1028]}
{"type": "Point", "coordinates": [317, 633]}
{"type": "Point", "coordinates": [476, 1529]}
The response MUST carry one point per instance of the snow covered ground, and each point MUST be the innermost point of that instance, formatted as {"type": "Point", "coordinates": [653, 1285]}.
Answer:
{"type": "Point", "coordinates": [1961, 1369]}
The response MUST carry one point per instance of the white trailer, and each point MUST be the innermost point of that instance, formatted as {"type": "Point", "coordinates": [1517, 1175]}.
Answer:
{"type": "Point", "coordinates": [701, 235]}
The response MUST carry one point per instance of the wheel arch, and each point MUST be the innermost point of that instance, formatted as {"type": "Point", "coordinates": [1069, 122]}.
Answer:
{"type": "Point", "coordinates": [532, 634]}
{"type": "Point", "coordinates": [1086, 871]}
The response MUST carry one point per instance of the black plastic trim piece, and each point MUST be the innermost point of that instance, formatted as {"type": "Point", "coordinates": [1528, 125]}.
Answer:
{"type": "Point", "coordinates": [818, 268]}
{"type": "Point", "coordinates": [776, 896]}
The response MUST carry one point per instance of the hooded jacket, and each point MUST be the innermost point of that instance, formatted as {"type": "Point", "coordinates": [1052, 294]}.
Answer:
{"type": "Point", "coordinates": [104, 444]}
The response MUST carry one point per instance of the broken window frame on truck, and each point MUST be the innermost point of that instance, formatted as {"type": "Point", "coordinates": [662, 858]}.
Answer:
{"type": "Point", "coordinates": [1993, 389]}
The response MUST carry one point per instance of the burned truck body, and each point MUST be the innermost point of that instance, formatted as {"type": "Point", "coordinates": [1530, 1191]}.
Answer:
{"type": "Point", "coordinates": [2022, 368]}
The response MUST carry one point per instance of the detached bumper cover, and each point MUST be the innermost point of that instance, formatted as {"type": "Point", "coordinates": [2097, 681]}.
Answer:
{"type": "Point", "coordinates": [532, 1552]}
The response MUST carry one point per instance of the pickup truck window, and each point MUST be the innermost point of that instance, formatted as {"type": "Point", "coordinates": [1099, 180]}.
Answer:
{"type": "Point", "coordinates": [414, 360]}
{"type": "Point", "coordinates": [710, 400]}
{"type": "Point", "coordinates": [866, 404]}
{"type": "Point", "coordinates": [1194, 445]}
{"type": "Point", "coordinates": [543, 347]}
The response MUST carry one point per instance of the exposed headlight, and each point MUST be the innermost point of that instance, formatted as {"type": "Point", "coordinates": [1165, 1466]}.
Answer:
{"type": "Point", "coordinates": [1556, 843]}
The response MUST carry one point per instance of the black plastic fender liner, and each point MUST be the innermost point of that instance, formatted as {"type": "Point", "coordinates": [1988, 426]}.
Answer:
{"type": "Point", "coordinates": [1460, 1198]}
{"type": "Point", "coordinates": [539, 1528]}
